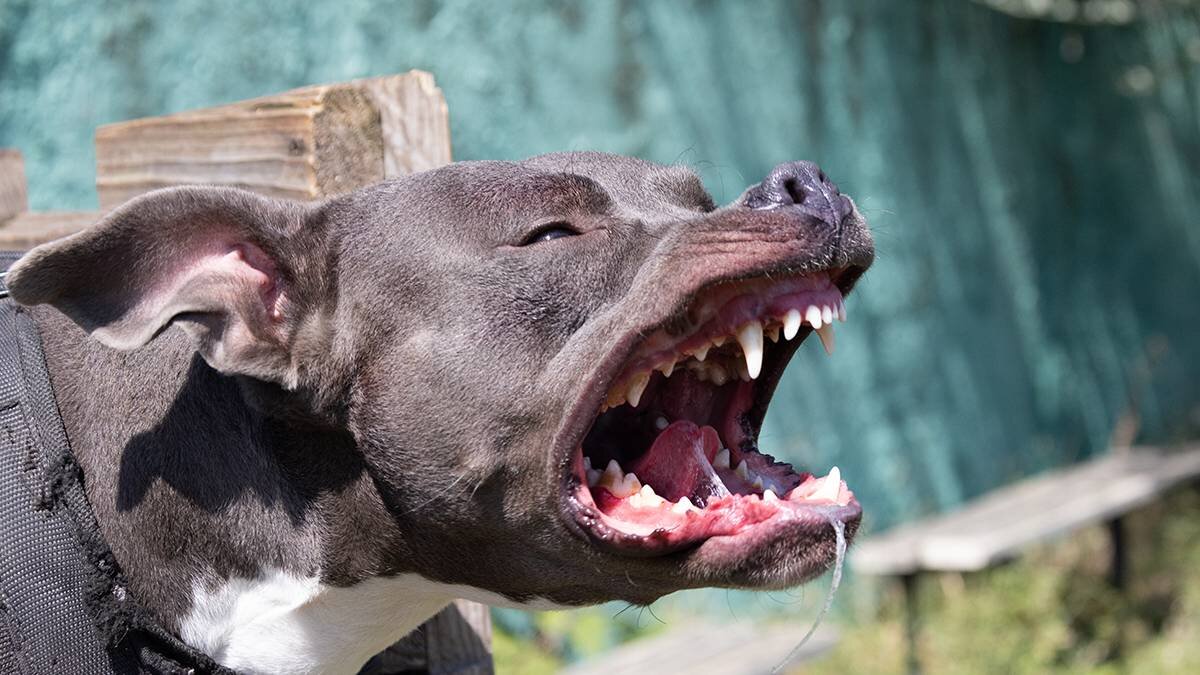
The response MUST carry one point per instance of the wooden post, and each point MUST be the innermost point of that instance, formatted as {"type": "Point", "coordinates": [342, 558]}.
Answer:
{"type": "Point", "coordinates": [20, 229]}
{"type": "Point", "coordinates": [307, 143]}
{"type": "Point", "coordinates": [13, 199]}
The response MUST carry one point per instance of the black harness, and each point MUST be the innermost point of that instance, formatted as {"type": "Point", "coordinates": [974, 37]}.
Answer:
{"type": "Point", "coordinates": [63, 601]}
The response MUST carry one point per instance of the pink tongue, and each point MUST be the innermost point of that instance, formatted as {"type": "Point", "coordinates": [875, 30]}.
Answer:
{"type": "Point", "coordinates": [679, 464]}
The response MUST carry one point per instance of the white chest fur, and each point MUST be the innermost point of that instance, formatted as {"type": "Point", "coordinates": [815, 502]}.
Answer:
{"type": "Point", "coordinates": [282, 623]}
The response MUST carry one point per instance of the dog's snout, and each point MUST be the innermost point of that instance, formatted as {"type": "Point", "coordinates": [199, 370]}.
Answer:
{"type": "Point", "coordinates": [803, 186]}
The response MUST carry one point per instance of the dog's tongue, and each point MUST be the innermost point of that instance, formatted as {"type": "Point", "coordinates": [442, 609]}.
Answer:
{"type": "Point", "coordinates": [679, 464]}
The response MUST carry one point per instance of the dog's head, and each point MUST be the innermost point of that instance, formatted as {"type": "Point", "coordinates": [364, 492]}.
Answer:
{"type": "Point", "coordinates": [555, 370]}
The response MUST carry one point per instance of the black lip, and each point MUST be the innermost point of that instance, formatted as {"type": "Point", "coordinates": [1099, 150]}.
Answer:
{"type": "Point", "coordinates": [582, 415]}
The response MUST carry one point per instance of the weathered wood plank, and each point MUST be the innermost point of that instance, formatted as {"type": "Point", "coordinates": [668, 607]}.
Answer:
{"type": "Point", "coordinates": [307, 143]}
{"type": "Point", "coordinates": [999, 525]}
{"type": "Point", "coordinates": [13, 198]}
{"type": "Point", "coordinates": [27, 230]}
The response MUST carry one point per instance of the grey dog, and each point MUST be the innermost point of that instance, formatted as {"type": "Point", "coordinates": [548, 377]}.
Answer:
{"type": "Point", "coordinates": [533, 383]}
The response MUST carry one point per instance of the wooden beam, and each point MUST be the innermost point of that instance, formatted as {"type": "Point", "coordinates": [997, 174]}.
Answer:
{"type": "Point", "coordinates": [307, 143]}
{"type": "Point", "coordinates": [27, 229]}
{"type": "Point", "coordinates": [13, 199]}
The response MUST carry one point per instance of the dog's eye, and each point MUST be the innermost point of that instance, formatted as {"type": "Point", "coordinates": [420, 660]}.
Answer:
{"type": "Point", "coordinates": [548, 232]}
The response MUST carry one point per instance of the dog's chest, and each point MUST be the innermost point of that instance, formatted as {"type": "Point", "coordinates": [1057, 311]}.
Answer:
{"type": "Point", "coordinates": [283, 623]}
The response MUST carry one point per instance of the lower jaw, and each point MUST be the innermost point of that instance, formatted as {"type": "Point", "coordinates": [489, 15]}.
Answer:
{"type": "Point", "coordinates": [759, 498]}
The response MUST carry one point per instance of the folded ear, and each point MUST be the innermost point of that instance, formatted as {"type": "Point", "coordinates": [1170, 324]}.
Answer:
{"type": "Point", "coordinates": [221, 263]}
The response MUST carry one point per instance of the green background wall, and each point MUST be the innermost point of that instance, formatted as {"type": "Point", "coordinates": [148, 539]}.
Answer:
{"type": "Point", "coordinates": [1033, 184]}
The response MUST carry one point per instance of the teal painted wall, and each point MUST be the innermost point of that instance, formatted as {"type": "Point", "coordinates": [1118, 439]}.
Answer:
{"type": "Point", "coordinates": [1033, 185]}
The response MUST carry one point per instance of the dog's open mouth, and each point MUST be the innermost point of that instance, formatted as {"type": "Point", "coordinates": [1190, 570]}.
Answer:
{"type": "Point", "coordinates": [671, 459]}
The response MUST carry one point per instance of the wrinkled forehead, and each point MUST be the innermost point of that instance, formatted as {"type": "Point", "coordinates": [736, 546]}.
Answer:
{"type": "Point", "coordinates": [632, 183]}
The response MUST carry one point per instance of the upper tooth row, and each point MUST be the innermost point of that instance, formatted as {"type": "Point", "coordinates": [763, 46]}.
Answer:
{"type": "Point", "coordinates": [750, 338]}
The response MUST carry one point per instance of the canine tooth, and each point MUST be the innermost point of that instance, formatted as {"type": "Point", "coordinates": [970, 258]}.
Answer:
{"type": "Point", "coordinates": [701, 353]}
{"type": "Point", "coordinates": [827, 314]}
{"type": "Point", "coordinates": [750, 337]}
{"type": "Point", "coordinates": [587, 463]}
{"type": "Point", "coordinates": [661, 423]}
{"type": "Point", "coordinates": [791, 323]}
{"type": "Point", "coordinates": [826, 334]}
{"type": "Point", "coordinates": [769, 496]}
{"type": "Point", "coordinates": [830, 487]}
{"type": "Point", "coordinates": [743, 470]}
{"type": "Point", "coordinates": [719, 341]}
{"type": "Point", "coordinates": [813, 316]}
{"type": "Point", "coordinates": [721, 460]}
{"type": "Point", "coordinates": [684, 505]}
{"type": "Point", "coordinates": [637, 385]}
{"type": "Point", "coordinates": [772, 333]}
{"type": "Point", "coordinates": [758, 483]}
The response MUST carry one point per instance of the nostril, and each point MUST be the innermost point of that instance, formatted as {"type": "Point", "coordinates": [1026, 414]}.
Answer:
{"type": "Point", "coordinates": [795, 190]}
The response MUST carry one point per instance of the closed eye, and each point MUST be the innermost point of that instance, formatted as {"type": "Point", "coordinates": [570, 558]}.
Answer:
{"type": "Point", "coordinates": [550, 232]}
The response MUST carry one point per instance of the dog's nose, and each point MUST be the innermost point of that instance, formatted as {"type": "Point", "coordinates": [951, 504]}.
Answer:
{"type": "Point", "coordinates": [803, 186]}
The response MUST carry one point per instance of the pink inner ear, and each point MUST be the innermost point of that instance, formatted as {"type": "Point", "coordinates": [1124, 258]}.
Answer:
{"type": "Point", "coordinates": [263, 273]}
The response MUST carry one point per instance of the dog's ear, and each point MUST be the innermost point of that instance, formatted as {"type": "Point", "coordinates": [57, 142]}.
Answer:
{"type": "Point", "coordinates": [221, 263]}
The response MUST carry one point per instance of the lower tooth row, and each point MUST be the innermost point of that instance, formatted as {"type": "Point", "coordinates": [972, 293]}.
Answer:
{"type": "Point", "coordinates": [627, 486]}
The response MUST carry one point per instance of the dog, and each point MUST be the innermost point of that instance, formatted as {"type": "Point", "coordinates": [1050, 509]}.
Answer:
{"type": "Point", "coordinates": [304, 428]}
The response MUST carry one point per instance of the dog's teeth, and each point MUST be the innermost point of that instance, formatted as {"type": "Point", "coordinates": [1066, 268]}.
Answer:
{"type": "Point", "coordinates": [743, 471]}
{"type": "Point", "coordinates": [701, 353]}
{"type": "Point", "coordinates": [830, 488]}
{"type": "Point", "coordinates": [632, 484]}
{"type": "Point", "coordinates": [772, 333]}
{"type": "Point", "coordinates": [758, 483]}
{"type": "Point", "coordinates": [769, 496]}
{"type": "Point", "coordinates": [721, 460]}
{"type": "Point", "coordinates": [813, 316]}
{"type": "Point", "coordinates": [593, 477]}
{"type": "Point", "coordinates": [613, 477]}
{"type": "Point", "coordinates": [827, 314]}
{"type": "Point", "coordinates": [719, 341]}
{"type": "Point", "coordinates": [841, 310]}
{"type": "Point", "coordinates": [750, 337]}
{"type": "Point", "coordinates": [826, 334]}
{"type": "Point", "coordinates": [661, 423]}
{"type": "Point", "coordinates": [791, 323]}
{"type": "Point", "coordinates": [683, 506]}
{"type": "Point", "coordinates": [637, 385]}
{"type": "Point", "coordinates": [667, 368]}
{"type": "Point", "coordinates": [587, 463]}
{"type": "Point", "coordinates": [649, 498]}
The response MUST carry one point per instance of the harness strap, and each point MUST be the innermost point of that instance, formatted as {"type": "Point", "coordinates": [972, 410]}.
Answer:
{"type": "Point", "coordinates": [63, 601]}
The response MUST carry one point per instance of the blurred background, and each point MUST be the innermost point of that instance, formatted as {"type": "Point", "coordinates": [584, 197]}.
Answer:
{"type": "Point", "coordinates": [1031, 169]}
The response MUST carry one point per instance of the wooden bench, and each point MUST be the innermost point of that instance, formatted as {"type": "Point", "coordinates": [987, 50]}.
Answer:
{"type": "Point", "coordinates": [308, 143]}
{"type": "Point", "coordinates": [1001, 524]}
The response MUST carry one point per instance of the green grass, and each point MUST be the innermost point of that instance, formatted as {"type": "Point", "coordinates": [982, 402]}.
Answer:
{"type": "Point", "coordinates": [1051, 611]}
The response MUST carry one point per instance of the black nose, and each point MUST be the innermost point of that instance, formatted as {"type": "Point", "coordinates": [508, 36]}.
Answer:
{"type": "Point", "coordinates": [803, 186]}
